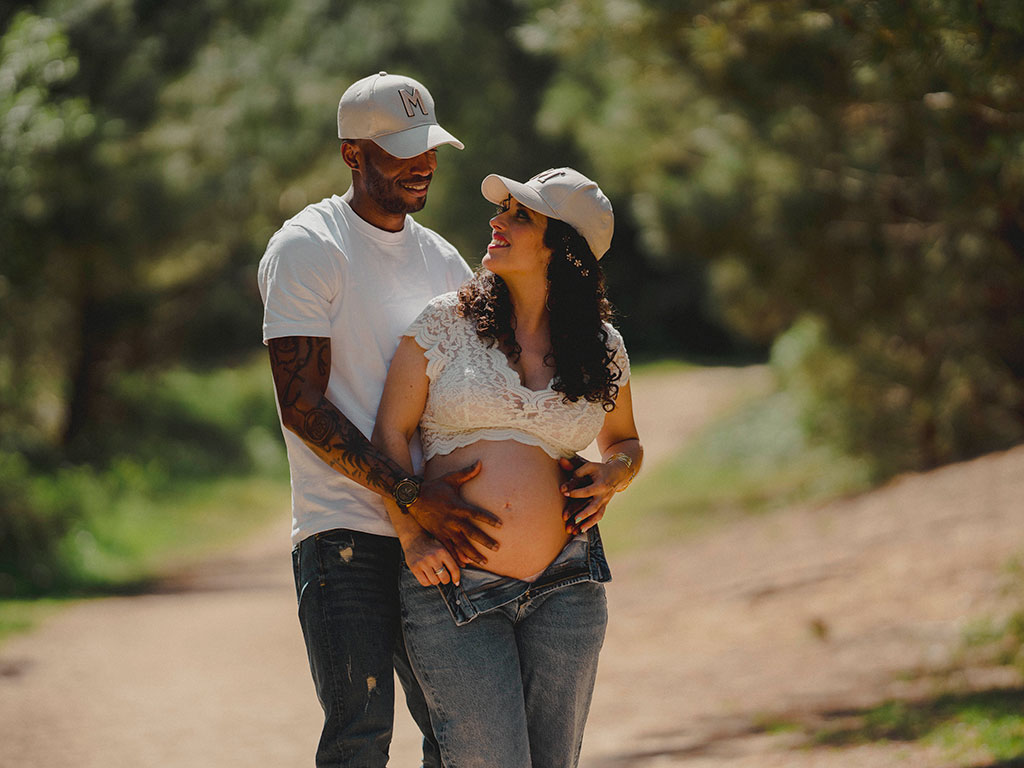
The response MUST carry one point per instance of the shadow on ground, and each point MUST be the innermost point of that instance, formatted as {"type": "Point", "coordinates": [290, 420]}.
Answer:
{"type": "Point", "coordinates": [910, 720]}
{"type": "Point", "coordinates": [995, 715]}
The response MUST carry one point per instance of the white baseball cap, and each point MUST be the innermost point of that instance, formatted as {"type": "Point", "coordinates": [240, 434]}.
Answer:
{"type": "Point", "coordinates": [564, 194]}
{"type": "Point", "coordinates": [396, 112]}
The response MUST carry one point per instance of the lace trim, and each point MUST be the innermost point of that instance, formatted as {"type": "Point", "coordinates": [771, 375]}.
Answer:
{"type": "Point", "coordinates": [476, 394]}
{"type": "Point", "coordinates": [434, 443]}
{"type": "Point", "coordinates": [430, 329]}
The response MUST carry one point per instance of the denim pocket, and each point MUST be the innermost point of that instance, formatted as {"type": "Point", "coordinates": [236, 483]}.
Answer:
{"type": "Point", "coordinates": [296, 559]}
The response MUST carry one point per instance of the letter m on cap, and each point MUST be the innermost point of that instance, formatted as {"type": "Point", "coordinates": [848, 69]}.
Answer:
{"type": "Point", "coordinates": [412, 102]}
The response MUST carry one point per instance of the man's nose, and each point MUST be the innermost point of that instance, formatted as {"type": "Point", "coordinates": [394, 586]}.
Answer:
{"type": "Point", "coordinates": [425, 163]}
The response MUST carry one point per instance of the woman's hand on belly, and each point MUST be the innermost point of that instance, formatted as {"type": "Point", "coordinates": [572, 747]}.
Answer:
{"type": "Point", "coordinates": [429, 561]}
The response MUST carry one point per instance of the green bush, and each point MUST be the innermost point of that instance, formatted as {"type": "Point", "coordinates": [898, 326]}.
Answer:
{"type": "Point", "coordinates": [899, 409]}
{"type": "Point", "coordinates": [755, 458]}
{"type": "Point", "coordinates": [29, 531]}
{"type": "Point", "coordinates": [179, 443]}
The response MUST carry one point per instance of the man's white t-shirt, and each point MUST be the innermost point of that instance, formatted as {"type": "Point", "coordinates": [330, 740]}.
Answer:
{"type": "Point", "coordinates": [329, 273]}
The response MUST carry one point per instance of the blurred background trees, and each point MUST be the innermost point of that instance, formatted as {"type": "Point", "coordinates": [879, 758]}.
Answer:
{"type": "Point", "coordinates": [852, 171]}
{"type": "Point", "coordinates": [834, 184]}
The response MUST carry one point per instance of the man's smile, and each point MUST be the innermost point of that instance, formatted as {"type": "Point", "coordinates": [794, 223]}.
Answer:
{"type": "Point", "coordinates": [416, 187]}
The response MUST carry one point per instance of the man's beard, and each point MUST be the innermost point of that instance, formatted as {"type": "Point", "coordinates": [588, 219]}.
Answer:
{"type": "Point", "coordinates": [382, 192]}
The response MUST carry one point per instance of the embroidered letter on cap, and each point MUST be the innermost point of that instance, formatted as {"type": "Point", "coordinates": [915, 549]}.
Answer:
{"type": "Point", "coordinates": [411, 100]}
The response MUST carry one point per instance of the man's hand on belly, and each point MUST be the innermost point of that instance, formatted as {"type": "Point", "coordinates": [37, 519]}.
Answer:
{"type": "Point", "coordinates": [442, 511]}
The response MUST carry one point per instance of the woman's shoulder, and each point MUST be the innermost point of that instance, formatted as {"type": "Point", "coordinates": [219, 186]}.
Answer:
{"type": "Point", "coordinates": [446, 301]}
{"type": "Point", "coordinates": [440, 306]}
{"type": "Point", "coordinates": [436, 319]}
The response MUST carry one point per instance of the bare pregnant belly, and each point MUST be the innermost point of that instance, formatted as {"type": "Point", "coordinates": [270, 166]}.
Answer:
{"type": "Point", "coordinates": [518, 483]}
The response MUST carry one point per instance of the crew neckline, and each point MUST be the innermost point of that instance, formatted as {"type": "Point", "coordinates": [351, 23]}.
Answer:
{"type": "Point", "coordinates": [371, 231]}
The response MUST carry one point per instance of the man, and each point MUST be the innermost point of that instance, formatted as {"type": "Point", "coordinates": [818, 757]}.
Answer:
{"type": "Point", "coordinates": [340, 282]}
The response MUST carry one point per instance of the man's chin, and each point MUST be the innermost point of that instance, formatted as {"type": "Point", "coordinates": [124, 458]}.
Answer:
{"type": "Point", "coordinates": [416, 205]}
{"type": "Point", "coordinates": [405, 204]}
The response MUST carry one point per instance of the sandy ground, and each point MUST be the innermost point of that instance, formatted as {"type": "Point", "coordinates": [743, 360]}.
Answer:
{"type": "Point", "coordinates": [801, 616]}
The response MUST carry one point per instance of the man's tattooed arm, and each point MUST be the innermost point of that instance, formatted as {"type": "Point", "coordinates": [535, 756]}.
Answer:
{"type": "Point", "coordinates": [301, 366]}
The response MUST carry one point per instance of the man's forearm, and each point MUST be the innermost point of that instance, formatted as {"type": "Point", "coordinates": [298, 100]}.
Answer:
{"type": "Point", "coordinates": [340, 444]}
{"type": "Point", "coordinates": [301, 366]}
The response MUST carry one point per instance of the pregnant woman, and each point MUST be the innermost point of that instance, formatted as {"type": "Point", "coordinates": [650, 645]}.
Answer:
{"type": "Point", "coordinates": [519, 370]}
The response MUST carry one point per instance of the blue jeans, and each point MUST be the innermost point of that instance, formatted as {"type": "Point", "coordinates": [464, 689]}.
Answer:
{"type": "Point", "coordinates": [347, 587]}
{"type": "Point", "coordinates": [509, 679]}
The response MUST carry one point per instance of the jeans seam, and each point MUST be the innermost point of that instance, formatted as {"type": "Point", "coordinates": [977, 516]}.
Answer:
{"type": "Point", "coordinates": [321, 575]}
{"type": "Point", "coordinates": [426, 684]}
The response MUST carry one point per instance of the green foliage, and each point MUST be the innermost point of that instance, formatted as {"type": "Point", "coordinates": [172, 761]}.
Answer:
{"type": "Point", "coordinates": [169, 475]}
{"type": "Point", "coordinates": [263, 138]}
{"type": "Point", "coordinates": [151, 150]}
{"type": "Point", "coordinates": [148, 152]}
{"type": "Point", "coordinates": [82, 213]}
{"type": "Point", "coordinates": [39, 127]}
{"type": "Point", "coordinates": [986, 721]}
{"type": "Point", "coordinates": [1000, 641]}
{"type": "Point", "coordinates": [18, 616]}
{"type": "Point", "coordinates": [754, 459]}
{"type": "Point", "coordinates": [842, 179]}
{"type": "Point", "coordinates": [858, 163]}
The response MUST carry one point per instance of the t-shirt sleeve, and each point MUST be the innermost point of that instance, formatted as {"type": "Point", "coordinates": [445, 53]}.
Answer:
{"type": "Point", "coordinates": [433, 331]}
{"type": "Point", "coordinates": [299, 278]}
{"type": "Point", "coordinates": [620, 360]}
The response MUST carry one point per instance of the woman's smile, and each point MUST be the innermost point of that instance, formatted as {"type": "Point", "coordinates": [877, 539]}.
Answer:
{"type": "Point", "coordinates": [497, 241]}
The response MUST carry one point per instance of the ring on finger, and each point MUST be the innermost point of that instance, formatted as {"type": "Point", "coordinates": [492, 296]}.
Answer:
{"type": "Point", "coordinates": [439, 571]}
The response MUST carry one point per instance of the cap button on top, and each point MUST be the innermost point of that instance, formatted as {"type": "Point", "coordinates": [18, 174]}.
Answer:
{"type": "Point", "coordinates": [382, 74]}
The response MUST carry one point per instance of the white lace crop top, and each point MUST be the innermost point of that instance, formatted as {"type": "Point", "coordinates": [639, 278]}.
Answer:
{"type": "Point", "coordinates": [475, 395]}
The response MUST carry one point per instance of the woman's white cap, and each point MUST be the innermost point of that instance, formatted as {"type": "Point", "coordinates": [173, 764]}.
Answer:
{"type": "Point", "coordinates": [564, 194]}
{"type": "Point", "coordinates": [396, 112]}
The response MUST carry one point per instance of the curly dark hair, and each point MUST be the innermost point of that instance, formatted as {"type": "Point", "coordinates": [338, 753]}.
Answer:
{"type": "Point", "coordinates": [583, 363]}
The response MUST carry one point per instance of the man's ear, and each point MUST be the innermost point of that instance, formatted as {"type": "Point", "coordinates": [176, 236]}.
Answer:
{"type": "Point", "coordinates": [351, 154]}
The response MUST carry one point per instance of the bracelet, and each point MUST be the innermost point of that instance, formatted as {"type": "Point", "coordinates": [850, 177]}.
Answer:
{"type": "Point", "coordinates": [629, 465]}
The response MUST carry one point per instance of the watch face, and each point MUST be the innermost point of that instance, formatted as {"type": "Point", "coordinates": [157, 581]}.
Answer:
{"type": "Point", "coordinates": [406, 491]}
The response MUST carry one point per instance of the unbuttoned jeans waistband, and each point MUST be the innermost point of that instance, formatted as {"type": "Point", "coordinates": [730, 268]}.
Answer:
{"type": "Point", "coordinates": [480, 591]}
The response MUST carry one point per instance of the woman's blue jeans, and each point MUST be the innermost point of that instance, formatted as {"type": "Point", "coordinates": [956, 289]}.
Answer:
{"type": "Point", "coordinates": [347, 586]}
{"type": "Point", "coordinates": [510, 684]}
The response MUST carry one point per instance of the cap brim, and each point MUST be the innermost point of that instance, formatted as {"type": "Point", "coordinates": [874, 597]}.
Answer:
{"type": "Point", "coordinates": [417, 140]}
{"type": "Point", "coordinates": [497, 188]}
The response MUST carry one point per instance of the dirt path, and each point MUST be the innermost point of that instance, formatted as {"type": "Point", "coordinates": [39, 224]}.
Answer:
{"type": "Point", "coordinates": [791, 616]}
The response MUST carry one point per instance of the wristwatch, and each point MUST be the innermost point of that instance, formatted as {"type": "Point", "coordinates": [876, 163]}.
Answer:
{"type": "Point", "coordinates": [406, 491]}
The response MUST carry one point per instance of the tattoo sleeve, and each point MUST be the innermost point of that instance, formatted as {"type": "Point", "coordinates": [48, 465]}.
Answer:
{"type": "Point", "coordinates": [301, 367]}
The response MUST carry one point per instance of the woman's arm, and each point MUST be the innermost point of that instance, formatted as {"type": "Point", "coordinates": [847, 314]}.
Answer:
{"type": "Point", "coordinates": [621, 454]}
{"type": "Point", "coordinates": [401, 407]}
